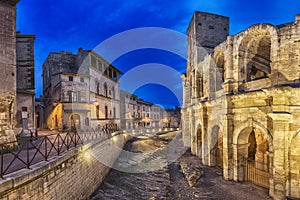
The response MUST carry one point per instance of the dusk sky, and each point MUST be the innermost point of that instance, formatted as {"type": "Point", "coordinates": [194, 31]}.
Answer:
{"type": "Point", "coordinates": [66, 25]}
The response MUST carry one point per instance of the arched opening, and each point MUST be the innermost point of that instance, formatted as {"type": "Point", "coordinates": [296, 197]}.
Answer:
{"type": "Point", "coordinates": [220, 70]}
{"type": "Point", "coordinates": [216, 151]}
{"type": "Point", "coordinates": [75, 122]}
{"type": "Point", "coordinates": [254, 57]}
{"type": "Point", "coordinates": [253, 157]}
{"type": "Point", "coordinates": [97, 87]}
{"type": "Point", "coordinates": [105, 90]}
{"type": "Point", "coordinates": [199, 141]}
{"type": "Point", "coordinates": [294, 170]}
{"type": "Point", "coordinates": [199, 85]}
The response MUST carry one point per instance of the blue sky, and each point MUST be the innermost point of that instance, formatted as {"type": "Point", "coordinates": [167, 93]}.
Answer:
{"type": "Point", "coordinates": [70, 24]}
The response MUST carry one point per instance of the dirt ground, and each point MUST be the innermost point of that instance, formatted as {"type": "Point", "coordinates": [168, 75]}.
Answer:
{"type": "Point", "coordinates": [169, 182]}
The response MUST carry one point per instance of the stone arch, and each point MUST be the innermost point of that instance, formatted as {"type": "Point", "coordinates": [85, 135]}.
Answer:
{"type": "Point", "coordinates": [256, 52]}
{"type": "Point", "coordinates": [252, 124]}
{"type": "Point", "coordinates": [294, 166]}
{"type": "Point", "coordinates": [242, 144]}
{"type": "Point", "coordinates": [219, 60]}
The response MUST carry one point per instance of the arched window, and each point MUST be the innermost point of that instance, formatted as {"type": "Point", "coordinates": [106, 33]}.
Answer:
{"type": "Point", "coordinates": [97, 87]}
{"type": "Point", "coordinates": [105, 90]}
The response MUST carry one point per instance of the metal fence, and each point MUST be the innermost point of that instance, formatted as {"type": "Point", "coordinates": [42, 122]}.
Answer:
{"type": "Point", "coordinates": [27, 151]}
{"type": "Point", "coordinates": [257, 176]}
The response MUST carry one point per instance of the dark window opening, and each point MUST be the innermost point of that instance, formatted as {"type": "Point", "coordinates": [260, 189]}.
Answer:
{"type": "Point", "coordinates": [70, 78]}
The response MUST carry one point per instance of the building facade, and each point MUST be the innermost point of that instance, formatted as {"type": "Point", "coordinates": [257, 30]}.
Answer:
{"type": "Point", "coordinates": [25, 113]}
{"type": "Point", "coordinates": [172, 118]}
{"type": "Point", "coordinates": [242, 101]}
{"type": "Point", "coordinates": [137, 113]}
{"type": "Point", "coordinates": [80, 91]}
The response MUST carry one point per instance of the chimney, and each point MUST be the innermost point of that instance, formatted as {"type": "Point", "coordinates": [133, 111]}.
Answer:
{"type": "Point", "coordinates": [80, 49]}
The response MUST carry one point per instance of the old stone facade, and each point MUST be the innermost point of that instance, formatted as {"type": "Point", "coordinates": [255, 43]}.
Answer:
{"type": "Point", "coordinates": [137, 113]}
{"type": "Point", "coordinates": [80, 91]}
{"type": "Point", "coordinates": [25, 113]}
{"type": "Point", "coordinates": [8, 69]}
{"type": "Point", "coordinates": [242, 101]}
{"type": "Point", "coordinates": [172, 118]}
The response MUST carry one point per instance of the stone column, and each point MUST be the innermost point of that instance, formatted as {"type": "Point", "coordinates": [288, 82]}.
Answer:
{"type": "Point", "coordinates": [228, 66]}
{"type": "Point", "coordinates": [184, 113]}
{"type": "Point", "coordinates": [227, 147]}
{"type": "Point", "coordinates": [279, 173]}
{"type": "Point", "coordinates": [240, 152]}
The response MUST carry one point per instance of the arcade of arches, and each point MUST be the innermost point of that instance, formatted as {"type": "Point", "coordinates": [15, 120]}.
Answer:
{"type": "Point", "coordinates": [241, 107]}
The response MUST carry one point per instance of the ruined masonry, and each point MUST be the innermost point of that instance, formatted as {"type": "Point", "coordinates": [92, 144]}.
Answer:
{"type": "Point", "coordinates": [241, 108]}
{"type": "Point", "coordinates": [8, 68]}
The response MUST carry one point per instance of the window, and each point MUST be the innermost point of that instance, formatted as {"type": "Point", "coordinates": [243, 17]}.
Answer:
{"type": "Point", "coordinates": [115, 77]}
{"type": "Point", "coordinates": [110, 72]}
{"type": "Point", "coordinates": [94, 61]}
{"type": "Point", "coordinates": [82, 80]}
{"type": "Point", "coordinates": [72, 96]}
{"type": "Point", "coordinates": [78, 96]}
{"type": "Point", "coordinates": [106, 112]}
{"type": "Point", "coordinates": [70, 78]}
{"type": "Point", "coordinates": [115, 113]}
{"type": "Point", "coordinates": [24, 109]}
{"type": "Point", "coordinates": [97, 111]}
{"type": "Point", "coordinates": [211, 27]}
{"type": "Point", "coordinates": [113, 93]}
{"type": "Point", "coordinates": [105, 89]}
{"type": "Point", "coordinates": [97, 88]}
{"type": "Point", "coordinates": [87, 121]}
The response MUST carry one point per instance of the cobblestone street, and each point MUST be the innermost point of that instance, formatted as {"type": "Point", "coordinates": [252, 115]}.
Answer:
{"type": "Point", "coordinates": [170, 183]}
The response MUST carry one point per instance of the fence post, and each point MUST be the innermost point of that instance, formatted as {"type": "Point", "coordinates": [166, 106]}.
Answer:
{"type": "Point", "coordinates": [1, 172]}
{"type": "Point", "coordinates": [27, 148]}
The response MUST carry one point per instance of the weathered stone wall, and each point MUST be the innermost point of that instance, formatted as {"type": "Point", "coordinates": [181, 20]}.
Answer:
{"type": "Point", "coordinates": [8, 66]}
{"type": "Point", "coordinates": [238, 109]}
{"type": "Point", "coordinates": [71, 176]}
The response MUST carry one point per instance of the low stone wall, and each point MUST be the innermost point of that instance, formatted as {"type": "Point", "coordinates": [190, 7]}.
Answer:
{"type": "Point", "coordinates": [74, 175]}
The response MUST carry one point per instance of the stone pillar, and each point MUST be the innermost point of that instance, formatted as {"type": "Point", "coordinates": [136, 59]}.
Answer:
{"type": "Point", "coordinates": [279, 173]}
{"type": "Point", "coordinates": [193, 132]}
{"type": "Point", "coordinates": [186, 137]}
{"type": "Point", "coordinates": [228, 66]}
{"type": "Point", "coordinates": [8, 68]}
{"type": "Point", "coordinates": [240, 154]}
{"type": "Point", "coordinates": [227, 147]}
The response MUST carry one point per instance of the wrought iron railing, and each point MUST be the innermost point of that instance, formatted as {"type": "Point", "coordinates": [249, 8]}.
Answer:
{"type": "Point", "coordinates": [27, 151]}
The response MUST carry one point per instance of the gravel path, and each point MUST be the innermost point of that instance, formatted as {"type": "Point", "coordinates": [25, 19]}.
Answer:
{"type": "Point", "coordinates": [170, 183]}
